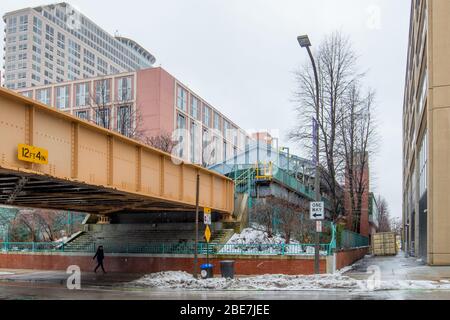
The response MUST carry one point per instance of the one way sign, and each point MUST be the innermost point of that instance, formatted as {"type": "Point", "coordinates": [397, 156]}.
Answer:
{"type": "Point", "coordinates": [316, 211]}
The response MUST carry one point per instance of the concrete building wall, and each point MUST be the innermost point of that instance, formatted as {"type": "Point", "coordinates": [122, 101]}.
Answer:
{"type": "Point", "coordinates": [426, 119]}
{"type": "Point", "coordinates": [154, 110]}
{"type": "Point", "coordinates": [57, 43]}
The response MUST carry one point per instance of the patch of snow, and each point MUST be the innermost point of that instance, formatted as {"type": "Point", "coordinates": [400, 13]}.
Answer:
{"type": "Point", "coordinates": [411, 285]}
{"type": "Point", "coordinates": [182, 280]}
{"type": "Point", "coordinates": [344, 270]}
{"type": "Point", "coordinates": [6, 273]}
{"type": "Point", "coordinates": [185, 281]}
{"type": "Point", "coordinates": [63, 239]}
{"type": "Point", "coordinates": [256, 241]}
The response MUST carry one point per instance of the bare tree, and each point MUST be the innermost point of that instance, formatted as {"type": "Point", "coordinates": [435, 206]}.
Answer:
{"type": "Point", "coordinates": [163, 141]}
{"type": "Point", "coordinates": [336, 71]}
{"type": "Point", "coordinates": [265, 209]}
{"type": "Point", "coordinates": [396, 225]}
{"type": "Point", "coordinates": [128, 115]}
{"type": "Point", "coordinates": [358, 135]}
{"type": "Point", "coordinates": [383, 215]}
{"type": "Point", "coordinates": [289, 215]}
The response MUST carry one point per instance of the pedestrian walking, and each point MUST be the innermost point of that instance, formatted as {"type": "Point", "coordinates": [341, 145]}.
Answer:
{"type": "Point", "coordinates": [100, 255]}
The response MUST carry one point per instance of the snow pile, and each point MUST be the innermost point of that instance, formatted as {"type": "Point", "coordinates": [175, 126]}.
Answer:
{"type": "Point", "coordinates": [256, 241]}
{"type": "Point", "coordinates": [172, 280]}
{"type": "Point", "coordinates": [256, 236]}
{"type": "Point", "coordinates": [185, 281]}
{"type": "Point", "coordinates": [412, 285]}
{"type": "Point", "coordinates": [6, 273]}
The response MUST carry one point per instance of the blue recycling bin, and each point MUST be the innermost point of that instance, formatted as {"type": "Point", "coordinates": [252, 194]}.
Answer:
{"type": "Point", "coordinates": [206, 271]}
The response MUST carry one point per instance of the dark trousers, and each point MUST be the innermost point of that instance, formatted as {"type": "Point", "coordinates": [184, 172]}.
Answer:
{"type": "Point", "coordinates": [100, 264]}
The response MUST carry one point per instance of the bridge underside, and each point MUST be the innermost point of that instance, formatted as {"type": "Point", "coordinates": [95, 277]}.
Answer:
{"type": "Point", "coordinates": [38, 191]}
{"type": "Point", "coordinates": [91, 169]}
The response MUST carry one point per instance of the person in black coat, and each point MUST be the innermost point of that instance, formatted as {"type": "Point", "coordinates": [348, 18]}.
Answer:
{"type": "Point", "coordinates": [100, 255]}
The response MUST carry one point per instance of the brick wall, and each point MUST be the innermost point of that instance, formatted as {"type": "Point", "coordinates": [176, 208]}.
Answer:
{"type": "Point", "coordinates": [247, 265]}
{"type": "Point", "coordinates": [148, 264]}
{"type": "Point", "coordinates": [348, 257]}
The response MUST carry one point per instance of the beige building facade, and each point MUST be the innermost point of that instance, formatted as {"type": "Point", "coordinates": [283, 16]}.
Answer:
{"type": "Point", "coordinates": [426, 134]}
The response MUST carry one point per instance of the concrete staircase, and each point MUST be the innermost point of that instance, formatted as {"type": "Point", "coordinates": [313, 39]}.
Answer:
{"type": "Point", "coordinates": [141, 238]}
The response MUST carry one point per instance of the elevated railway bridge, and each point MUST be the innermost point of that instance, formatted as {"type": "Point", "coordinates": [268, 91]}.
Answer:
{"type": "Point", "coordinates": [53, 160]}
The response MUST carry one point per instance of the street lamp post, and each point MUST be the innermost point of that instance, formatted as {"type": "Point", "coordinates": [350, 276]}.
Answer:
{"type": "Point", "coordinates": [306, 43]}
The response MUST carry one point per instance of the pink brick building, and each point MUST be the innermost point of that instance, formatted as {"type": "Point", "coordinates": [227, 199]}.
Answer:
{"type": "Point", "coordinates": [151, 102]}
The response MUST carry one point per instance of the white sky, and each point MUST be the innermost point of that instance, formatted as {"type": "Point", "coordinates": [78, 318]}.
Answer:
{"type": "Point", "coordinates": [240, 56]}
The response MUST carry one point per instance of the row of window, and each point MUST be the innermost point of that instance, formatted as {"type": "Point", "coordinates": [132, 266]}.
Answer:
{"type": "Point", "coordinates": [201, 112]}
{"type": "Point", "coordinates": [83, 95]}
{"type": "Point", "coordinates": [86, 32]}
{"type": "Point", "coordinates": [201, 146]}
{"type": "Point", "coordinates": [230, 135]}
{"type": "Point", "coordinates": [102, 117]}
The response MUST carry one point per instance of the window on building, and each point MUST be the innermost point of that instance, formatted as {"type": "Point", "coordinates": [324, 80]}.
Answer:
{"type": "Point", "coordinates": [124, 89]}
{"type": "Point", "coordinates": [193, 141]}
{"type": "Point", "coordinates": [216, 121]}
{"type": "Point", "coordinates": [205, 140]}
{"type": "Point", "coordinates": [103, 92]}
{"type": "Point", "coordinates": [62, 97]}
{"type": "Point", "coordinates": [102, 117]}
{"type": "Point", "coordinates": [43, 96]}
{"type": "Point", "coordinates": [23, 23]}
{"type": "Point", "coordinates": [37, 25]}
{"type": "Point", "coordinates": [423, 161]}
{"type": "Point", "coordinates": [206, 116]}
{"type": "Point", "coordinates": [195, 107]}
{"type": "Point", "coordinates": [83, 114]}
{"type": "Point", "coordinates": [82, 94]}
{"type": "Point", "coordinates": [61, 41]}
{"type": "Point", "coordinates": [28, 94]}
{"type": "Point", "coordinates": [225, 145]}
{"type": "Point", "coordinates": [181, 126]}
{"type": "Point", "coordinates": [49, 33]}
{"type": "Point", "coordinates": [181, 98]}
{"type": "Point", "coordinates": [124, 120]}
{"type": "Point", "coordinates": [12, 25]}
{"type": "Point", "coordinates": [423, 91]}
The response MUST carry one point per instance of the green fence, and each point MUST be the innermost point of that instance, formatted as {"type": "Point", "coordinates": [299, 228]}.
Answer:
{"type": "Point", "coordinates": [348, 239]}
{"type": "Point", "coordinates": [187, 248]}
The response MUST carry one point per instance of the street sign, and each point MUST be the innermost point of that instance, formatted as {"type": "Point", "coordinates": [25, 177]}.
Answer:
{"type": "Point", "coordinates": [32, 154]}
{"type": "Point", "coordinates": [207, 216]}
{"type": "Point", "coordinates": [316, 211]}
{"type": "Point", "coordinates": [207, 234]}
{"type": "Point", "coordinates": [319, 226]}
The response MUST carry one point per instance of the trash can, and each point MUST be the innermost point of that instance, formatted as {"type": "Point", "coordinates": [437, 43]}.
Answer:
{"type": "Point", "coordinates": [227, 269]}
{"type": "Point", "coordinates": [206, 271]}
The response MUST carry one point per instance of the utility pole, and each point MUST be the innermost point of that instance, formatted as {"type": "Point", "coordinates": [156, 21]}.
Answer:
{"type": "Point", "coordinates": [306, 43]}
{"type": "Point", "coordinates": [196, 228]}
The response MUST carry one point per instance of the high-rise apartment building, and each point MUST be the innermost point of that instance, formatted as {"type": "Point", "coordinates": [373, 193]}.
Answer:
{"type": "Point", "coordinates": [153, 103]}
{"type": "Point", "coordinates": [426, 134]}
{"type": "Point", "coordinates": [56, 43]}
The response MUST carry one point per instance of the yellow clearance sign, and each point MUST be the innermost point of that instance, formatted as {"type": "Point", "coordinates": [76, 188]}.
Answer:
{"type": "Point", "coordinates": [32, 154]}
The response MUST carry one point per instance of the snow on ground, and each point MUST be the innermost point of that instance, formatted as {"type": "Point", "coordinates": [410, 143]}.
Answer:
{"type": "Point", "coordinates": [255, 240]}
{"type": "Point", "coordinates": [256, 235]}
{"type": "Point", "coordinates": [6, 273]}
{"type": "Point", "coordinates": [172, 280]}
{"type": "Point", "coordinates": [183, 280]}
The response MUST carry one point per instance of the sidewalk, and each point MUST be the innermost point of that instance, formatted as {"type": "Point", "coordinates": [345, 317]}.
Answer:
{"type": "Point", "coordinates": [399, 268]}
{"type": "Point", "coordinates": [60, 277]}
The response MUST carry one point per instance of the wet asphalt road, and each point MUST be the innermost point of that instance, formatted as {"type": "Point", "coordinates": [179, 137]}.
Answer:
{"type": "Point", "coordinates": [51, 285]}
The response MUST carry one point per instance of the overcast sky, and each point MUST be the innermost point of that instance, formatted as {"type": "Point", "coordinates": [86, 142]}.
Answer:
{"type": "Point", "coordinates": [240, 56]}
